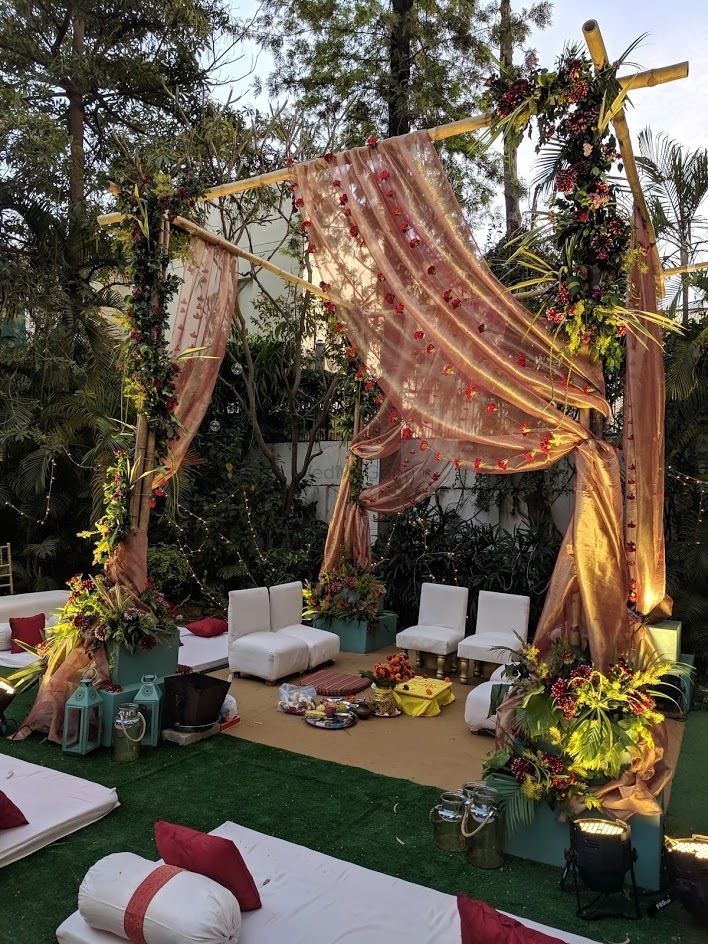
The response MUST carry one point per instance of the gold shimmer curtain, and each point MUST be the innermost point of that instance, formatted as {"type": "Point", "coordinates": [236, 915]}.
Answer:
{"type": "Point", "coordinates": [472, 380]}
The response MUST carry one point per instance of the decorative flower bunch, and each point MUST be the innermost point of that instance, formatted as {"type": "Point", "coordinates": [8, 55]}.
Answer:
{"type": "Point", "coordinates": [397, 668]}
{"type": "Point", "coordinates": [349, 593]}
{"type": "Point", "coordinates": [113, 525]}
{"type": "Point", "coordinates": [572, 108]}
{"type": "Point", "coordinates": [576, 725]}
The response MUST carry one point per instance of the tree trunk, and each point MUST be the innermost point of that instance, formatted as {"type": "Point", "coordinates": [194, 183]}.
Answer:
{"type": "Point", "coordinates": [685, 284]}
{"type": "Point", "coordinates": [512, 187]}
{"type": "Point", "coordinates": [399, 119]}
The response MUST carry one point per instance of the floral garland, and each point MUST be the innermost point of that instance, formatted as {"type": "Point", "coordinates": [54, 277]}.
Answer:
{"type": "Point", "coordinates": [576, 726]}
{"type": "Point", "coordinates": [572, 108]}
{"type": "Point", "coordinates": [349, 594]}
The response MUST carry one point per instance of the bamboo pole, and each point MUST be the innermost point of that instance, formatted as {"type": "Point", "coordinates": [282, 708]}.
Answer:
{"type": "Point", "coordinates": [681, 270]}
{"type": "Point", "coordinates": [235, 250]}
{"type": "Point", "coordinates": [653, 77]}
{"type": "Point", "coordinates": [598, 52]}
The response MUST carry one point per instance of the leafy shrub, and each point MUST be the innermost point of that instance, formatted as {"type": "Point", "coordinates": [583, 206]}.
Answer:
{"type": "Point", "coordinates": [169, 571]}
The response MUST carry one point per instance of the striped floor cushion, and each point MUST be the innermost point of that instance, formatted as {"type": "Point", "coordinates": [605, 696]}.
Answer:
{"type": "Point", "coordinates": [331, 682]}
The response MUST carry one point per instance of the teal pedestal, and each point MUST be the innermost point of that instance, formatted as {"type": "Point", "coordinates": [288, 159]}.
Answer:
{"type": "Point", "coordinates": [666, 636]}
{"type": "Point", "coordinates": [354, 636]}
{"type": "Point", "coordinates": [128, 668]}
{"type": "Point", "coordinates": [546, 840]}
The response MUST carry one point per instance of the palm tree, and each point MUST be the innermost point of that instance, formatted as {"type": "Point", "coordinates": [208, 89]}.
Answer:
{"type": "Point", "coordinates": [676, 184]}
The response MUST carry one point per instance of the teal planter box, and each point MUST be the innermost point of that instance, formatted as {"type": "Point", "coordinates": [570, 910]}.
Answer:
{"type": "Point", "coordinates": [128, 668]}
{"type": "Point", "coordinates": [546, 840]}
{"type": "Point", "coordinates": [354, 636]}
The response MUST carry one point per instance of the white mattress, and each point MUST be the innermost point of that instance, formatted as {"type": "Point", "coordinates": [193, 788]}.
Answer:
{"type": "Point", "coordinates": [311, 898]}
{"type": "Point", "coordinates": [203, 653]}
{"type": "Point", "coordinates": [15, 660]}
{"type": "Point", "coordinates": [54, 804]}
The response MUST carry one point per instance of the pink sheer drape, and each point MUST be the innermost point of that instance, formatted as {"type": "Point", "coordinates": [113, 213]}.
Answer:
{"type": "Point", "coordinates": [472, 379]}
{"type": "Point", "coordinates": [205, 309]}
{"type": "Point", "coordinates": [644, 443]}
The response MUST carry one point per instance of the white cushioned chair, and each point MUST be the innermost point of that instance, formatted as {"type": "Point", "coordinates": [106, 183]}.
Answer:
{"type": "Point", "coordinates": [478, 703]}
{"type": "Point", "coordinates": [442, 616]}
{"type": "Point", "coordinates": [253, 648]}
{"type": "Point", "coordinates": [502, 621]}
{"type": "Point", "coordinates": [286, 617]}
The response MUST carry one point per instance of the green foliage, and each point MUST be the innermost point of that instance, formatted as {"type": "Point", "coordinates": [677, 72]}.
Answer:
{"type": "Point", "coordinates": [168, 571]}
{"type": "Point", "coordinates": [351, 594]}
{"type": "Point", "coordinates": [431, 543]}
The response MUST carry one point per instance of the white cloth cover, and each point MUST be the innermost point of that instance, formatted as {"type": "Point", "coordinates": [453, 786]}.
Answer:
{"type": "Point", "coordinates": [16, 660]}
{"type": "Point", "coordinates": [202, 653]}
{"type": "Point", "coordinates": [5, 637]}
{"type": "Point", "coordinates": [478, 703]}
{"type": "Point", "coordinates": [436, 639]}
{"type": "Point", "coordinates": [55, 805]}
{"type": "Point", "coordinates": [249, 612]}
{"type": "Point", "coordinates": [322, 646]}
{"type": "Point", "coordinates": [270, 656]}
{"type": "Point", "coordinates": [285, 605]}
{"type": "Point", "coordinates": [488, 647]}
{"type": "Point", "coordinates": [188, 909]}
{"type": "Point", "coordinates": [502, 623]}
{"type": "Point", "coordinates": [443, 605]}
{"type": "Point", "coordinates": [310, 898]}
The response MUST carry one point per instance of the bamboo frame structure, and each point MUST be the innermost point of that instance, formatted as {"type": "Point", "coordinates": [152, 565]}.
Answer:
{"type": "Point", "coordinates": [683, 270]}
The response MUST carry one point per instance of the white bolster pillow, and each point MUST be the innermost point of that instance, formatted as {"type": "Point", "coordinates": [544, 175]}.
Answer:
{"type": "Point", "coordinates": [5, 637]}
{"type": "Point", "coordinates": [188, 909]}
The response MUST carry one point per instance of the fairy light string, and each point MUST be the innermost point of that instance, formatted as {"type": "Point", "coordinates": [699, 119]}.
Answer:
{"type": "Point", "coordinates": [47, 508]}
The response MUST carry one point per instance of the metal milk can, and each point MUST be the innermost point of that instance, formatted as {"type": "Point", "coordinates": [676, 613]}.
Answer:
{"type": "Point", "coordinates": [483, 828]}
{"type": "Point", "coordinates": [128, 732]}
{"type": "Point", "coordinates": [446, 817]}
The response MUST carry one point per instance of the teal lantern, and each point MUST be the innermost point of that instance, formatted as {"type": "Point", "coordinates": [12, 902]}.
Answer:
{"type": "Point", "coordinates": [82, 720]}
{"type": "Point", "coordinates": [148, 699]}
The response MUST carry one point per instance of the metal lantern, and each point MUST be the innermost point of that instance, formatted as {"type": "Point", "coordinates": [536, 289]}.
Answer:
{"type": "Point", "coordinates": [148, 699]}
{"type": "Point", "coordinates": [83, 715]}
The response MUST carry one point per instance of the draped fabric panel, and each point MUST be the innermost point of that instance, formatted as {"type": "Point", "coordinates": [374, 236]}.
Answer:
{"type": "Point", "coordinates": [205, 308]}
{"type": "Point", "coordinates": [644, 444]}
{"type": "Point", "coordinates": [471, 379]}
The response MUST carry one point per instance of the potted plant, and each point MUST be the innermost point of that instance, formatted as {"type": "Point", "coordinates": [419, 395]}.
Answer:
{"type": "Point", "coordinates": [384, 678]}
{"type": "Point", "coordinates": [349, 602]}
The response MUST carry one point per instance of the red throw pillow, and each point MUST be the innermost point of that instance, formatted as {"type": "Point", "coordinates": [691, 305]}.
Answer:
{"type": "Point", "coordinates": [209, 626]}
{"type": "Point", "coordinates": [217, 858]}
{"type": "Point", "coordinates": [10, 815]}
{"type": "Point", "coordinates": [482, 924]}
{"type": "Point", "coordinates": [28, 629]}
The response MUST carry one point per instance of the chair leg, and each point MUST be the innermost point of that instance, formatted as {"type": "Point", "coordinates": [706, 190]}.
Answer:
{"type": "Point", "coordinates": [419, 660]}
{"type": "Point", "coordinates": [476, 669]}
{"type": "Point", "coordinates": [404, 651]}
{"type": "Point", "coordinates": [441, 667]}
{"type": "Point", "coordinates": [464, 671]}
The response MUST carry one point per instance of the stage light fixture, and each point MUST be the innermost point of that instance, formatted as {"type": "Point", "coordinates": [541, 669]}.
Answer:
{"type": "Point", "coordinates": [7, 694]}
{"type": "Point", "coordinates": [688, 868]}
{"type": "Point", "coordinates": [600, 856]}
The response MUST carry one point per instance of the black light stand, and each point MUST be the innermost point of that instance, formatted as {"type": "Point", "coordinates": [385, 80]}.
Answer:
{"type": "Point", "coordinates": [599, 857]}
{"type": "Point", "coordinates": [7, 694]}
{"type": "Point", "coordinates": [688, 868]}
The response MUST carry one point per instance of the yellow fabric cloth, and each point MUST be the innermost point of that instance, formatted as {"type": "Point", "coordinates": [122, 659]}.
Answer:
{"type": "Point", "coordinates": [423, 698]}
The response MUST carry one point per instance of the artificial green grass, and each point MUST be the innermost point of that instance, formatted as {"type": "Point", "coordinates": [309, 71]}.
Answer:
{"type": "Point", "coordinates": [348, 812]}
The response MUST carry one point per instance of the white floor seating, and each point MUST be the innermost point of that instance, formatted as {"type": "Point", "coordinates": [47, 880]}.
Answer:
{"type": "Point", "coordinates": [286, 617]}
{"type": "Point", "coordinates": [203, 653]}
{"type": "Point", "coordinates": [253, 648]}
{"type": "Point", "coordinates": [48, 602]}
{"type": "Point", "coordinates": [442, 616]}
{"type": "Point", "coordinates": [311, 898]}
{"type": "Point", "coordinates": [54, 805]}
{"type": "Point", "coordinates": [478, 704]}
{"type": "Point", "coordinates": [502, 625]}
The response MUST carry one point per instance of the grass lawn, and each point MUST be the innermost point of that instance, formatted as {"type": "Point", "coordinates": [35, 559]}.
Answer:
{"type": "Point", "coordinates": [347, 812]}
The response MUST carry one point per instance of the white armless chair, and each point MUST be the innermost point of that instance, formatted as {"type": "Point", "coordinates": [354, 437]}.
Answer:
{"type": "Point", "coordinates": [502, 625]}
{"type": "Point", "coordinates": [286, 617]}
{"type": "Point", "coordinates": [442, 616]}
{"type": "Point", "coordinates": [253, 648]}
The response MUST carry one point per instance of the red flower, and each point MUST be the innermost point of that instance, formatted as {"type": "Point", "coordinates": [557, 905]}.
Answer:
{"type": "Point", "coordinates": [311, 247]}
{"type": "Point", "coordinates": [448, 369]}
{"type": "Point", "coordinates": [378, 399]}
{"type": "Point", "coordinates": [361, 373]}
{"type": "Point", "coordinates": [369, 386]}
{"type": "Point", "coordinates": [306, 224]}
{"type": "Point", "coordinates": [502, 463]}
{"type": "Point", "coordinates": [336, 182]}
{"type": "Point", "coordinates": [353, 230]}
{"type": "Point", "coordinates": [372, 141]}
{"type": "Point", "coordinates": [455, 303]}
{"type": "Point", "coordinates": [329, 157]}
{"type": "Point", "coordinates": [521, 360]}
{"type": "Point", "coordinates": [470, 391]}
{"type": "Point", "coordinates": [477, 465]}
{"type": "Point", "coordinates": [384, 174]}
{"type": "Point", "coordinates": [340, 327]}
{"type": "Point", "coordinates": [419, 335]}
{"type": "Point", "coordinates": [456, 462]}
{"type": "Point", "coordinates": [491, 407]}
{"type": "Point", "coordinates": [299, 202]}
{"type": "Point", "coordinates": [524, 429]}
{"type": "Point", "coordinates": [481, 328]}
{"type": "Point", "coordinates": [343, 198]}
{"type": "Point", "coordinates": [430, 348]}
{"type": "Point", "coordinates": [431, 270]}
{"type": "Point", "coordinates": [325, 286]}
{"type": "Point", "coordinates": [399, 308]}
{"type": "Point", "coordinates": [423, 445]}
{"type": "Point", "coordinates": [406, 433]}
{"type": "Point", "coordinates": [528, 456]}
{"type": "Point", "coordinates": [380, 277]}
{"type": "Point", "coordinates": [389, 298]}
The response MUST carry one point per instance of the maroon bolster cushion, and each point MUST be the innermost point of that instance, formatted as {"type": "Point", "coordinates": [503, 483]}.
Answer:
{"type": "Point", "coordinates": [209, 626]}
{"type": "Point", "coordinates": [482, 924]}
{"type": "Point", "coordinates": [28, 629]}
{"type": "Point", "coordinates": [213, 856]}
{"type": "Point", "coordinates": [10, 815]}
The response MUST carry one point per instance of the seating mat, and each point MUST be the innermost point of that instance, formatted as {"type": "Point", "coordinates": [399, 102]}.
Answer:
{"type": "Point", "coordinates": [334, 683]}
{"type": "Point", "coordinates": [203, 653]}
{"type": "Point", "coordinates": [311, 898]}
{"type": "Point", "coordinates": [55, 805]}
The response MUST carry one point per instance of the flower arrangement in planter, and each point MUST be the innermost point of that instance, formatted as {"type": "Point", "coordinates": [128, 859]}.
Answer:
{"type": "Point", "coordinates": [98, 615]}
{"type": "Point", "coordinates": [397, 668]}
{"type": "Point", "coordinates": [350, 593]}
{"type": "Point", "coordinates": [576, 727]}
